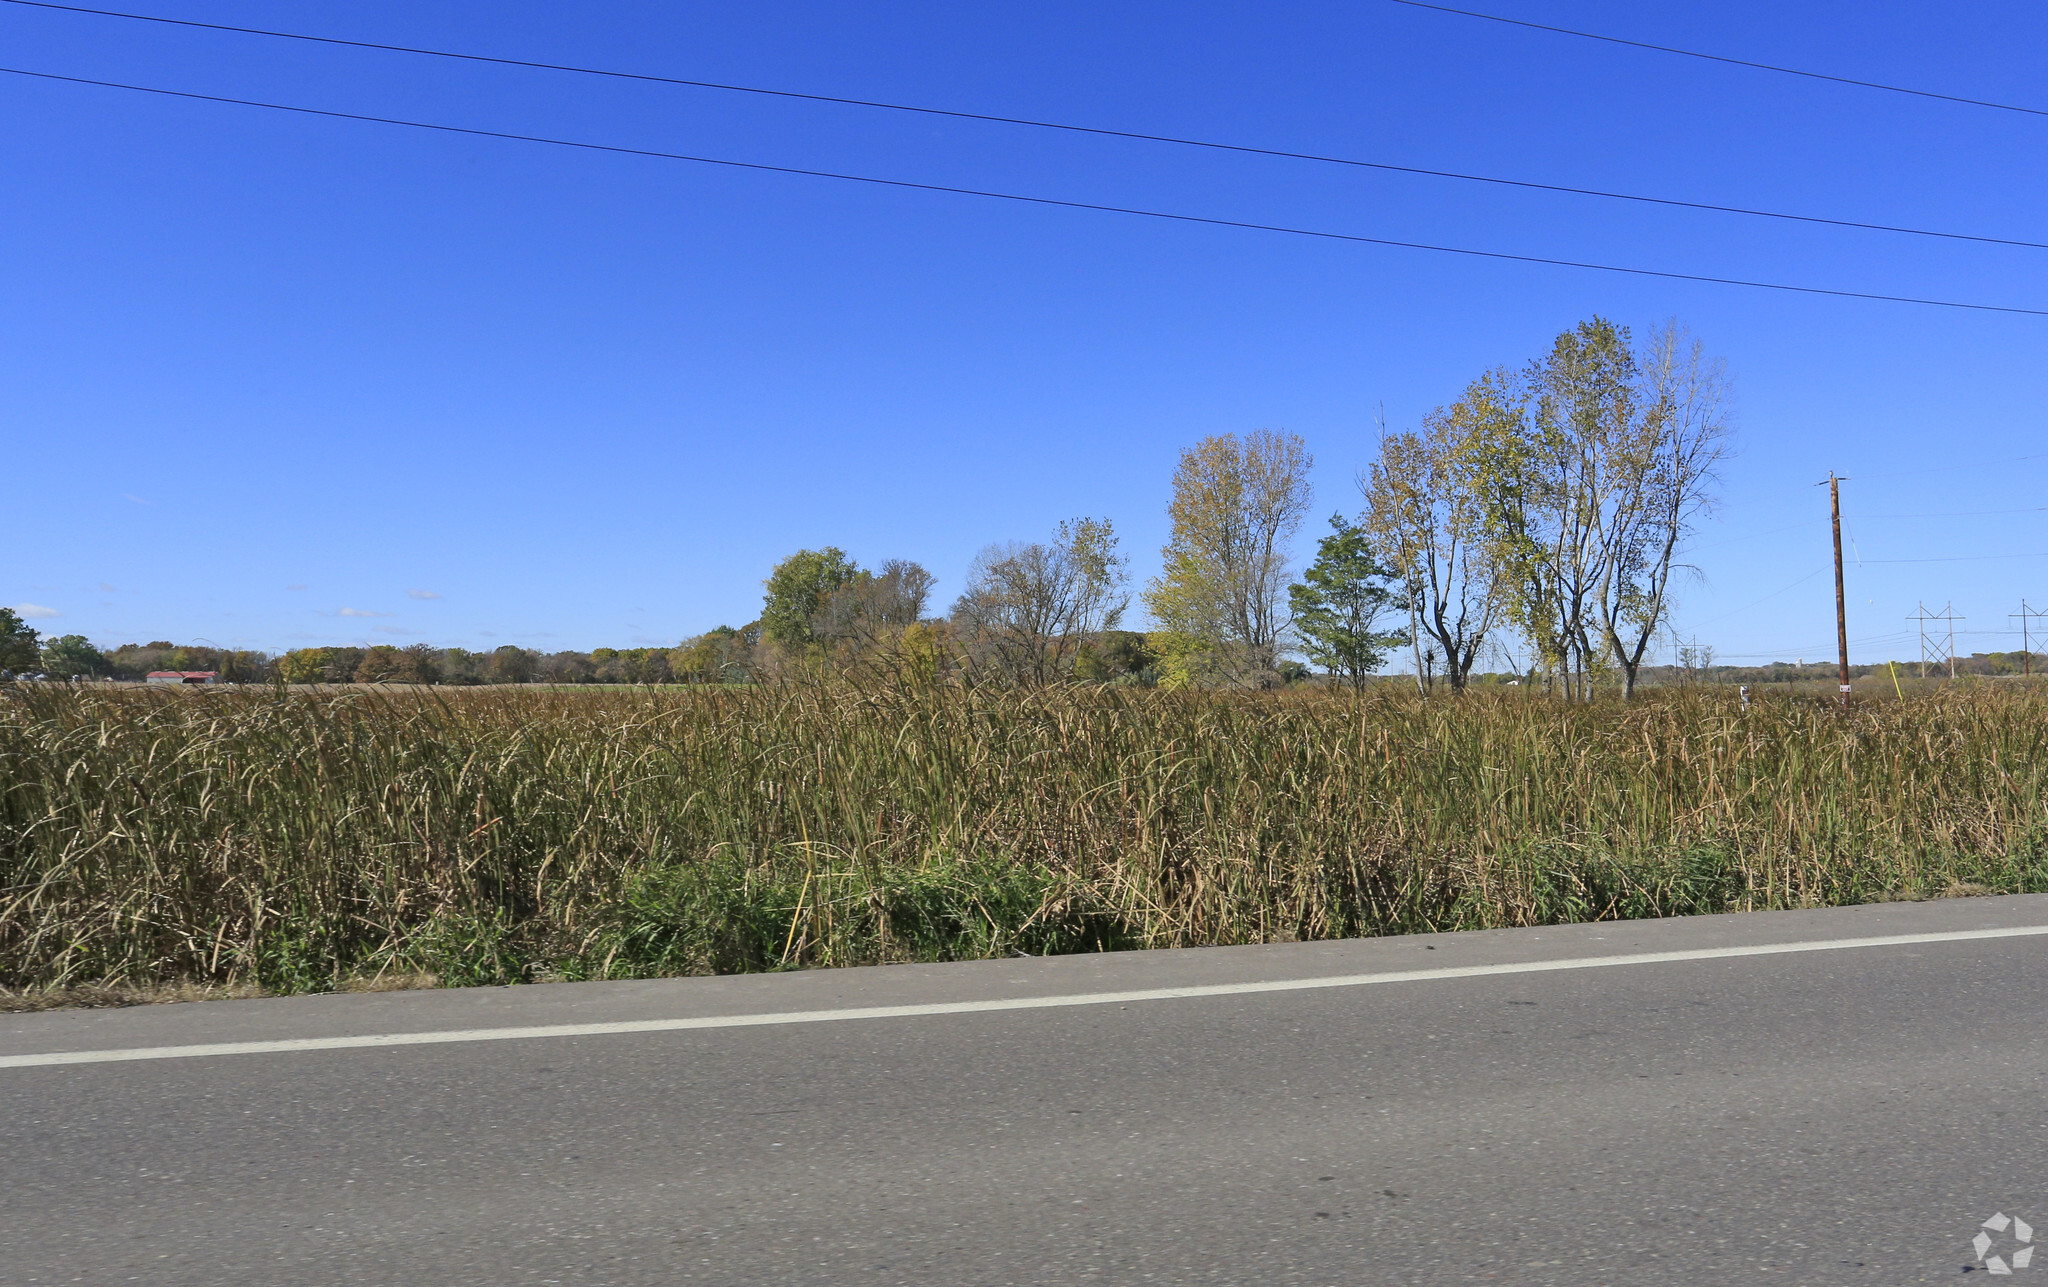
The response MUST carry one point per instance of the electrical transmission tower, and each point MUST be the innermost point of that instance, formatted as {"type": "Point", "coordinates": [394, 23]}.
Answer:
{"type": "Point", "coordinates": [1937, 641]}
{"type": "Point", "coordinates": [2026, 616]}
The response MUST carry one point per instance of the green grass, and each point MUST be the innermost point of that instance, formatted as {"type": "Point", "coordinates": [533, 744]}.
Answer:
{"type": "Point", "coordinates": [306, 841]}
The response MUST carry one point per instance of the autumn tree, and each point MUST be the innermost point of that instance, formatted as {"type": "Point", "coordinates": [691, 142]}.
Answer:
{"type": "Point", "coordinates": [873, 609]}
{"type": "Point", "coordinates": [1030, 608]}
{"type": "Point", "coordinates": [303, 666]}
{"type": "Point", "coordinates": [1427, 510]}
{"type": "Point", "coordinates": [379, 665]}
{"type": "Point", "coordinates": [1586, 428]}
{"type": "Point", "coordinates": [1591, 490]}
{"type": "Point", "coordinates": [721, 655]}
{"type": "Point", "coordinates": [565, 667]}
{"type": "Point", "coordinates": [509, 664]}
{"type": "Point", "coordinates": [1236, 505]}
{"type": "Point", "coordinates": [1664, 485]}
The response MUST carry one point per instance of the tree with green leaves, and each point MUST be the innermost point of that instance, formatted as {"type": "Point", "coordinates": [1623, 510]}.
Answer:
{"type": "Point", "coordinates": [69, 655]}
{"type": "Point", "coordinates": [1116, 657]}
{"type": "Point", "coordinates": [1338, 604]}
{"type": "Point", "coordinates": [797, 589]}
{"type": "Point", "coordinates": [19, 648]}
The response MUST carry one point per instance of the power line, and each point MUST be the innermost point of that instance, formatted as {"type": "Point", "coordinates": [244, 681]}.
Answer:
{"type": "Point", "coordinates": [1719, 58]}
{"type": "Point", "coordinates": [1965, 513]}
{"type": "Point", "coordinates": [1964, 558]}
{"type": "Point", "coordinates": [1030, 200]}
{"type": "Point", "coordinates": [2026, 615]}
{"type": "Point", "coordinates": [1798, 651]}
{"type": "Point", "coordinates": [1100, 131]}
{"type": "Point", "coordinates": [1690, 550]}
{"type": "Point", "coordinates": [1800, 527]}
{"type": "Point", "coordinates": [1755, 602]}
{"type": "Point", "coordinates": [1975, 467]}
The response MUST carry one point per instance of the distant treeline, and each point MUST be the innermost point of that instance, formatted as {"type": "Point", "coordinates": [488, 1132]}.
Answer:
{"type": "Point", "coordinates": [736, 656]}
{"type": "Point", "coordinates": [722, 656]}
{"type": "Point", "coordinates": [1982, 665]}
{"type": "Point", "coordinates": [719, 656]}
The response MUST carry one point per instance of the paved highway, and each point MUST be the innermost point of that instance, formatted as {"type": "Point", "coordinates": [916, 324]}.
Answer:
{"type": "Point", "coordinates": [1528, 1106]}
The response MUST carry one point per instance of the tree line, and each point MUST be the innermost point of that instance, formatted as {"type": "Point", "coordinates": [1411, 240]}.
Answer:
{"type": "Point", "coordinates": [1536, 521]}
{"type": "Point", "coordinates": [22, 652]}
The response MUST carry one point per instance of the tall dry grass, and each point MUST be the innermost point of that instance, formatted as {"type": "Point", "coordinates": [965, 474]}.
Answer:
{"type": "Point", "coordinates": [304, 841]}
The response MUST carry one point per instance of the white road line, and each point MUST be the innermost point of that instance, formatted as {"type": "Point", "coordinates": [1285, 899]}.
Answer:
{"type": "Point", "coordinates": [778, 1018]}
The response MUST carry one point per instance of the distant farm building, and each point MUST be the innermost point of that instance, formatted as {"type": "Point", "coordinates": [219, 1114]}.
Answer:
{"type": "Point", "coordinates": [184, 677]}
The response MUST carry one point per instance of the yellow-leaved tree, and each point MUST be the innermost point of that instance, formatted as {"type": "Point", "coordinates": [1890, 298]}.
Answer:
{"type": "Point", "coordinates": [1237, 503]}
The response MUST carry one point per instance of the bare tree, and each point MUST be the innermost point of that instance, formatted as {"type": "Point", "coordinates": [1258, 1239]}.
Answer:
{"type": "Point", "coordinates": [1236, 506]}
{"type": "Point", "coordinates": [1028, 609]}
{"type": "Point", "coordinates": [1426, 510]}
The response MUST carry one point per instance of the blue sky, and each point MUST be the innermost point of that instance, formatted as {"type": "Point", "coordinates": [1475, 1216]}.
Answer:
{"type": "Point", "coordinates": [270, 380]}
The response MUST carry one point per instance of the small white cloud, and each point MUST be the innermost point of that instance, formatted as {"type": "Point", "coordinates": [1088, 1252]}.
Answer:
{"type": "Point", "coordinates": [421, 594]}
{"type": "Point", "coordinates": [105, 588]}
{"type": "Point", "coordinates": [360, 612]}
{"type": "Point", "coordinates": [295, 587]}
{"type": "Point", "coordinates": [36, 611]}
{"type": "Point", "coordinates": [393, 630]}
{"type": "Point", "coordinates": [132, 496]}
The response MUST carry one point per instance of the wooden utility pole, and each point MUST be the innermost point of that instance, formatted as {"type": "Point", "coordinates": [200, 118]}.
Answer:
{"type": "Point", "coordinates": [1841, 598]}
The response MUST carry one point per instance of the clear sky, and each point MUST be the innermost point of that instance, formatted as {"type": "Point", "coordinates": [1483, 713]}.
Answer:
{"type": "Point", "coordinates": [272, 380]}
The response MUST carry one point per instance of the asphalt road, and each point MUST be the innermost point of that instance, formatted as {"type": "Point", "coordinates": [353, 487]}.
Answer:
{"type": "Point", "coordinates": [1848, 1115]}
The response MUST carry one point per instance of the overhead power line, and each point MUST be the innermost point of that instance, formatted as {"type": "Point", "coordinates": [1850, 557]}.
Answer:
{"type": "Point", "coordinates": [1798, 527]}
{"type": "Point", "coordinates": [1066, 127]}
{"type": "Point", "coordinates": [1965, 513]}
{"type": "Point", "coordinates": [1790, 585]}
{"type": "Point", "coordinates": [1974, 467]}
{"type": "Point", "coordinates": [1968, 558]}
{"type": "Point", "coordinates": [1719, 58]}
{"type": "Point", "coordinates": [1026, 198]}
